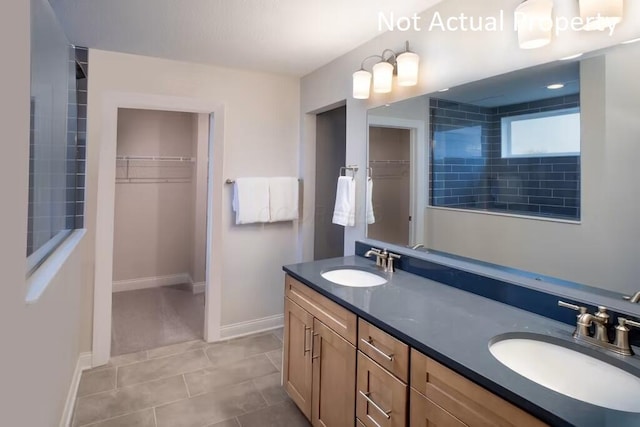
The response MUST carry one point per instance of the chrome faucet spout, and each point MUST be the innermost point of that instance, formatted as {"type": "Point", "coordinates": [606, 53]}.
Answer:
{"type": "Point", "coordinates": [635, 298]}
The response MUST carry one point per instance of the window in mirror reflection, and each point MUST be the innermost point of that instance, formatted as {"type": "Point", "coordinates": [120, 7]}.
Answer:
{"type": "Point", "coordinates": [532, 169]}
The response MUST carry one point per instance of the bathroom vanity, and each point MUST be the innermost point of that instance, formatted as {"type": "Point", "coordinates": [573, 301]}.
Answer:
{"type": "Point", "coordinates": [416, 352]}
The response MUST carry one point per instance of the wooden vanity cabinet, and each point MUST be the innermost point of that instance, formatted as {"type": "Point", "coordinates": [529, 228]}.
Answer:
{"type": "Point", "coordinates": [319, 361]}
{"type": "Point", "coordinates": [320, 375]}
{"type": "Point", "coordinates": [440, 396]}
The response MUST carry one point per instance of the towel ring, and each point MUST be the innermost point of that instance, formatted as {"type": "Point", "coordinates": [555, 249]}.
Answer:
{"type": "Point", "coordinates": [352, 168]}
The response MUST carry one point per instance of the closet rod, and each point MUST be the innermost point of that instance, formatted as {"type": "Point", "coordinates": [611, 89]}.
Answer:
{"type": "Point", "coordinates": [157, 158]}
{"type": "Point", "coordinates": [232, 181]}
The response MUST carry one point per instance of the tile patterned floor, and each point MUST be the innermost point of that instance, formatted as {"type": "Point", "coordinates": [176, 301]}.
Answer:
{"type": "Point", "coordinates": [234, 383]}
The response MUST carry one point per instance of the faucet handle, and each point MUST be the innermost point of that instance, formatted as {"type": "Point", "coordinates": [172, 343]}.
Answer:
{"type": "Point", "coordinates": [621, 342]}
{"type": "Point", "coordinates": [582, 310]}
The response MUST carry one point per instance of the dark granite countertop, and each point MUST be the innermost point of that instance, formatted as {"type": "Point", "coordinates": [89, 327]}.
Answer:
{"type": "Point", "coordinates": [455, 327]}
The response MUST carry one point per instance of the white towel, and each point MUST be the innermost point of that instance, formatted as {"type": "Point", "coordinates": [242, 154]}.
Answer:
{"type": "Point", "coordinates": [344, 212]}
{"type": "Point", "coordinates": [370, 216]}
{"type": "Point", "coordinates": [251, 200]}
{"type": "Point", "coordinates": [283, 198]}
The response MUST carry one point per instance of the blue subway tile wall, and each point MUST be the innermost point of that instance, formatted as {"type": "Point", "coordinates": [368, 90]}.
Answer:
{"type": "Point", "coordinates": [82, 58]}
{"type": "Point", "coordinates": [469, 172]}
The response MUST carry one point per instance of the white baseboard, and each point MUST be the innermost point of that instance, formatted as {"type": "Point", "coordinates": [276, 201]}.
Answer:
{"type": "Point", "coordinates": [241, 329]}
{"type": "Point", "coordinates": [198, 288]}
{"type": "Point", "coordinates": [151, 282]}
{"type": "Point", "coordinates": [83, 363]}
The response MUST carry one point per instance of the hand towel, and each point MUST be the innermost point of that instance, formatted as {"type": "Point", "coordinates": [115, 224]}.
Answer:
{"type": "Point", "coordinates": [283, 198]}
{"type": "Point", "coordinates": [251, 200]}
{"type": "Point", "coordinates": [370, 216]}
{"type": "Point", "coordinates": [344, 212]}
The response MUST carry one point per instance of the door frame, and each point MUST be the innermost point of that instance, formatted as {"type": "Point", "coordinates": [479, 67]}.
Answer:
{"type": "Point", "coordinates": [418, 142]}
{"type": "Point", "coordinates": [106, 173]}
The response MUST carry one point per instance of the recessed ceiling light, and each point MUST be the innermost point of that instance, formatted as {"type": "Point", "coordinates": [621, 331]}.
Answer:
{"type": "Point", "coordinates": [577, 55]}
{"type": "Point", "coordinates": [444, 90]}
{"type": "Point", "coordinates": [555, 86]}
{"type": "Point", "coordinates": [632, 41]}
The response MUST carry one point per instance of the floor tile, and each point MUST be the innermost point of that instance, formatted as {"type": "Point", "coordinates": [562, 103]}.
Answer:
{"type": "Point", "coordinates": [102, 406]}
{"type": "Point", "coordinates": [241, 348]}
{"type": "Point", "coordinates": [124, 359]}
{"type": "Point", "coordinates": [145, 418]}
{"type": "Point", "coordinates": [175, 349]}
{"type": "Point", "coordinates": [233, 422]}
{"type": "Point", "coordinates": [279, 333]}
{"type": "Point", "coordinates": [280, 415]}
{"type": "Point", "coordinates": [276, 358]}
{"type": "Point", "coordinates": [162, 367]}
{"type": "Point", "coordinates": [212, 379]}
{"type": "Point", "coordinates": [127, 359]}
{"type": "Point", "coordinates": [92, 382]}
{"type": "Point", "coordinates": [211, 408]}
{"type": "Point", "coordinates": [271, 388]}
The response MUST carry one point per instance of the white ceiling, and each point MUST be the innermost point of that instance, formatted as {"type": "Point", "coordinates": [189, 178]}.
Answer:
{"type": "Point", "coordinates": [282, 36]}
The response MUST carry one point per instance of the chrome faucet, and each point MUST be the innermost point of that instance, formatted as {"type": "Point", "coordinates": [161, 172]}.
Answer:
{"type": "Point", "coordinates": [635, 298]}
{"type": "Point", "coordinates": [381, 257]}
{"type": "Point", "coordinates": [600, 337]}
{"type": "Point", "coordinates": [384, 259]}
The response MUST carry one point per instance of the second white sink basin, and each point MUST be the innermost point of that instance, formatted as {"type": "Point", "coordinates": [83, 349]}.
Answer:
{"type": "Point", "coordinates": [570, 372]}
{"type": "Point", "coordinates": [353, 277]}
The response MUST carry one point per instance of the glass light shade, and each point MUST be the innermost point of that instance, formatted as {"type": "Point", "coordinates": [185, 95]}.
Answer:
{"type": "Point", "coordinates": [601, 14]}
{"type": "Point", "coordinates": [361, 84]}
{"type": "Point", "coordinates": [408, 69]}
{"type": "Point", "coordinates": [382, 77]}
{"type": "Point", "coordinates": [535, 23]}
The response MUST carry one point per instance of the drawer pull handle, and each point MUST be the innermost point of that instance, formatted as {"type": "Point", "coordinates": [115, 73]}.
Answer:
{"type": "Point", "coordinates": [373, 421]}
{"type": "Point", "coordinates": [369, 342]}
{"type": "Point", "coordinates": [375, 405]}
{"type": "Point", "coordinates": [304, 343]}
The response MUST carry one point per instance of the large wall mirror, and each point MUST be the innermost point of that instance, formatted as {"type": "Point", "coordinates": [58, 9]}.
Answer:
{"type": "Point", "coordinates": [514, 167]}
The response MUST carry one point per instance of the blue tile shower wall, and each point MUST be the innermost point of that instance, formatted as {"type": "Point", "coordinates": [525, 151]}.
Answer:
{"type": "Point", "coordinates": [77, 168]}
{"type": "Point", "coordinates": [468, 170]}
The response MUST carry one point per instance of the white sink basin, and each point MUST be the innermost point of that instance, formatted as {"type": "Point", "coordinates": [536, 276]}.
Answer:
{"type": "Point", "coordinates": [570, 372]}
{"type": "Point", "coordinates": [353, 277]}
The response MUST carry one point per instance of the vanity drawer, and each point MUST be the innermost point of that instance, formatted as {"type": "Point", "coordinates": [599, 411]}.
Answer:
{"type": "Point", "coordinates": [390, 353]}
{"type": "Point", "coordinates": [425, 413]}
{"type": "Point", "coordinates": [342, 321]}
{"type": "Point", "coordinates": [467, 401]}
{"type": "Point", "coordinates": [381, 398]}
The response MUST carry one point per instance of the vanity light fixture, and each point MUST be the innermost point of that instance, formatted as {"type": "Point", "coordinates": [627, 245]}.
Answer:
{"type": "Point", "coordinates": [600, 14]}
{"type": "Point", "coordinates": [406, 66]}
{"type": "Point", "coordinates": [555, 86]}
{"type": "Point", "coordinates": [534, 23]}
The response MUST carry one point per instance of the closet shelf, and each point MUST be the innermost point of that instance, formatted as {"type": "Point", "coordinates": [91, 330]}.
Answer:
{"type": "Point", "coordinates": [154, 169]}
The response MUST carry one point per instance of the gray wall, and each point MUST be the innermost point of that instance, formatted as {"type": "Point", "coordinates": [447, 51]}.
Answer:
{"type": "Point", "coordinates": [331, 134]}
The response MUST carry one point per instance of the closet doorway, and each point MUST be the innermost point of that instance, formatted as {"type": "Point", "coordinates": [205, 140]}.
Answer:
{"type": "Point", "coordinates": [160, 227]}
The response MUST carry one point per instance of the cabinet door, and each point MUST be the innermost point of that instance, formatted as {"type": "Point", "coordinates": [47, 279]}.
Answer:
{"type": "Point", "coordinates": [425, 413]}
{"type": "Point", "coordinates": [296, 369]}
{"type": "Point", "coordinates": [334, 379]}
{"type": "Point", "coordinates": [381, 398]}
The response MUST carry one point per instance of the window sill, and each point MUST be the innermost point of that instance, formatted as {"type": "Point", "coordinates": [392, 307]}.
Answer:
{"type": "Point", "coordinates": [40, 279]}
{"type": "Point", "coordinates": [510, 215]}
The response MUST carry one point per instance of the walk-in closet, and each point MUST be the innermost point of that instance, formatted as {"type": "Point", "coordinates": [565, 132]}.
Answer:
{"type": "Point", "coordinates": [159, 266]}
